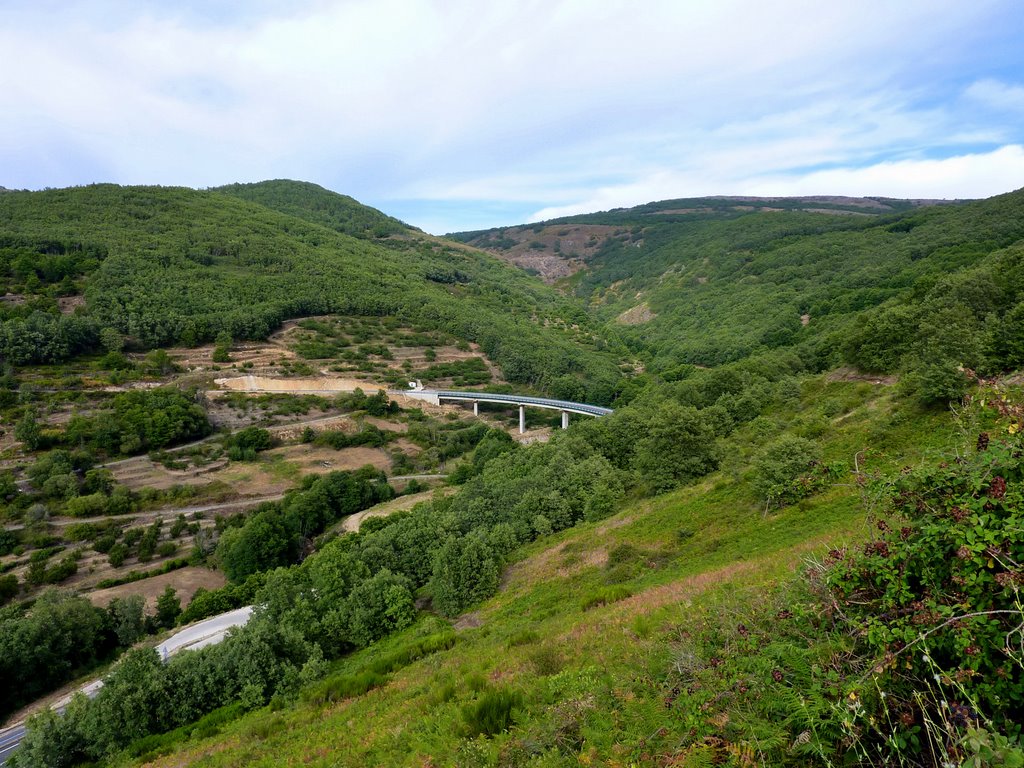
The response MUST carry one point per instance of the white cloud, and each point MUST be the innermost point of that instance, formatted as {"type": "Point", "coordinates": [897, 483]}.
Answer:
{"type": "Point", "coordinates": [555, 103]}
{"type": "Point", "coordinates": [997, 95]}
{"type": "Point", "coordinates": [962, 176]}
{"type": "Point", "coordinates": [975, 175]}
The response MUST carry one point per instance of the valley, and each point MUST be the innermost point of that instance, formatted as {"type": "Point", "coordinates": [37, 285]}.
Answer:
{"type": "Point", "coordinates": [806, 465]}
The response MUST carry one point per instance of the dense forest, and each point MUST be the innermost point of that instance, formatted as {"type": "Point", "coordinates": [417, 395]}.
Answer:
{"type": "Point", "coordinates": [164, 266]}
{"type": "Point", "coordinates": [319, 206]}
{"type": "Point", "coordinates": [817, 381]}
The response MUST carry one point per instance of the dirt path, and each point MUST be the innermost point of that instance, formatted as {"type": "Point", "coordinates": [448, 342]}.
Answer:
{"type": "Point", "coordinates": [351, 523]}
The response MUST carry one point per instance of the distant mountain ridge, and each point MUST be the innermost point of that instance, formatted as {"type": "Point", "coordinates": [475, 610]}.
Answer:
{"type": "Point", "coordinates": [708, 280]}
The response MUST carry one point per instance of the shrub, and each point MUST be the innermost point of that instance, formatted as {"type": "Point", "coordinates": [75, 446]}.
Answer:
{"type": "Point", "coordinates": [93, 505]}
{"type": "Point", "coordinates": [105, 543]}
{"type": "Point", "coordinates": [492, 713]}
{"type": "Point", "coordinates": [117, 554]}
{"type": "Point", "coordinates": [546, 660]}
{"type": "Point", "coordinates": [415, 650]}
{"type": "Point", "coordinates": [466, 571]}
{"type": "Point", "coordinates": [606, 595]}
{"type": "Point", "coordinates": [525, 637]}
{"type": "Point", "coordinates": [251, 438]}
{"type": "Point", "coordinates": [64, 569]}
{"type": "Point", "coordinates": [378, 606]}
{"type": "Point", "coordinates": [936, 381]}
{"type": "Point", "coordinates": [679, 445]}
{"type": "Point", "coordinates": [935, 597]}
{"type": "Point", "coordinates": [8, 587]}
{"type": "Point", "coordinates": [168, 607]}
{"type": "Point", "coordinates": [783, 470]}
{"type": "Point", "coordinates": [340, 687]}
{"type": "Point", "coordinates": [8, 542]}
{"type": "Point", "coordinates": [166, 549]}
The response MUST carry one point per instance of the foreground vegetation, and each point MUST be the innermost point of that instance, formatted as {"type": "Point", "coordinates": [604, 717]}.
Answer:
{"type": "Point", "coordinates": [669, 631]}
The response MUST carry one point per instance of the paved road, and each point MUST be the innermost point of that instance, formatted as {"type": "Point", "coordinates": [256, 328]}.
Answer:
{"type": "Point", "coordinates": [10, 739]}
{"type": "Point", "coordinates": [207, 632]}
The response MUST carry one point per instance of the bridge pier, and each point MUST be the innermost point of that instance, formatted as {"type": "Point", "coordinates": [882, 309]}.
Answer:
{"type": "Point", "coordinates": [522, 419]}
{"type": "Point", "coordinates": [565, 419]}
{"type": "Point", "coordinates": [476, 407]}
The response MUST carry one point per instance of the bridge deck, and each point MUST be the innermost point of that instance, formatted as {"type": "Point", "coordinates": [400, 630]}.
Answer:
{"type": "Point", "coordinates": [537, 402]}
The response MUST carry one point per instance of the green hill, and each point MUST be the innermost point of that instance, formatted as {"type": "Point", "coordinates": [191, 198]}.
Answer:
{"type": "Point", "coordinates": [708, 281]}
{"type": "Point", "coordinates": [177, 266]}
{"type": "Point", "coordinates": [319, 206]}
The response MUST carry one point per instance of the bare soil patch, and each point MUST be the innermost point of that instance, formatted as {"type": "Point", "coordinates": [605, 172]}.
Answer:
{"type": "Point", "coordinates": [850, 374]}
{"type": "Point", "coordinates": [185, 581]}
{"type": "Point", "coordinates": [468, 621]}
{"type": "Point", "coordinates": [554, 252]}
{"type": "Point", "coordinates": [308, 385]}
{"type": "Point", "coordinates": [638, 315]}
{"type": "Point", "coordinates": [68, 304]}
{"type": "Point", "coordinates": [316, 459]}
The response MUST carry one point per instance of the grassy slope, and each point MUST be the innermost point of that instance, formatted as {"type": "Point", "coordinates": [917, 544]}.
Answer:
{"type": "Point", "coordinates": [704, 548]}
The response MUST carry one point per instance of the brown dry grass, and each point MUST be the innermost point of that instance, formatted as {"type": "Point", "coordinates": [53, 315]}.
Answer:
{"type": "Point", "coordinates": [352, 522]}
{"type": "Point", "coordinates": [185, 580]}
{"type": "Point", "coordinates": [638, 315]}
{"type": "Point", "coordinates": [255, 478]}
{"type": "Point", "coordinates": [312, 459]}
{"type": "Point", "coordinates": [141, 472]}
{"type": "Point", "coordinates": [261, 355]}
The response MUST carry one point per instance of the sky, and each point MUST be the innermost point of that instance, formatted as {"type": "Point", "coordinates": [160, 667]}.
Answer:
{"type": "Point", "coordinates": [455, 115]}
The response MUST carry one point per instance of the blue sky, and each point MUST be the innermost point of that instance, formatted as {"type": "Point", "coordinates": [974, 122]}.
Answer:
{"type": "Point", "coordinates": [460, 115]}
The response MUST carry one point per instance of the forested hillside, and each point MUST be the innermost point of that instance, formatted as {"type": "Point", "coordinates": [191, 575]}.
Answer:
{"type": "Point", "coordinates": [708, 281]}
{"type": "Point", "coordinates": [176, 266]}
{"type": "Point", "coordinates": [318, 205]}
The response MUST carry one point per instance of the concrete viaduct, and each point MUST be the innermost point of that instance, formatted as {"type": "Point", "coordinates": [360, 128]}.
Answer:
{"type": "Point", "coordinates": [436, 396]}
